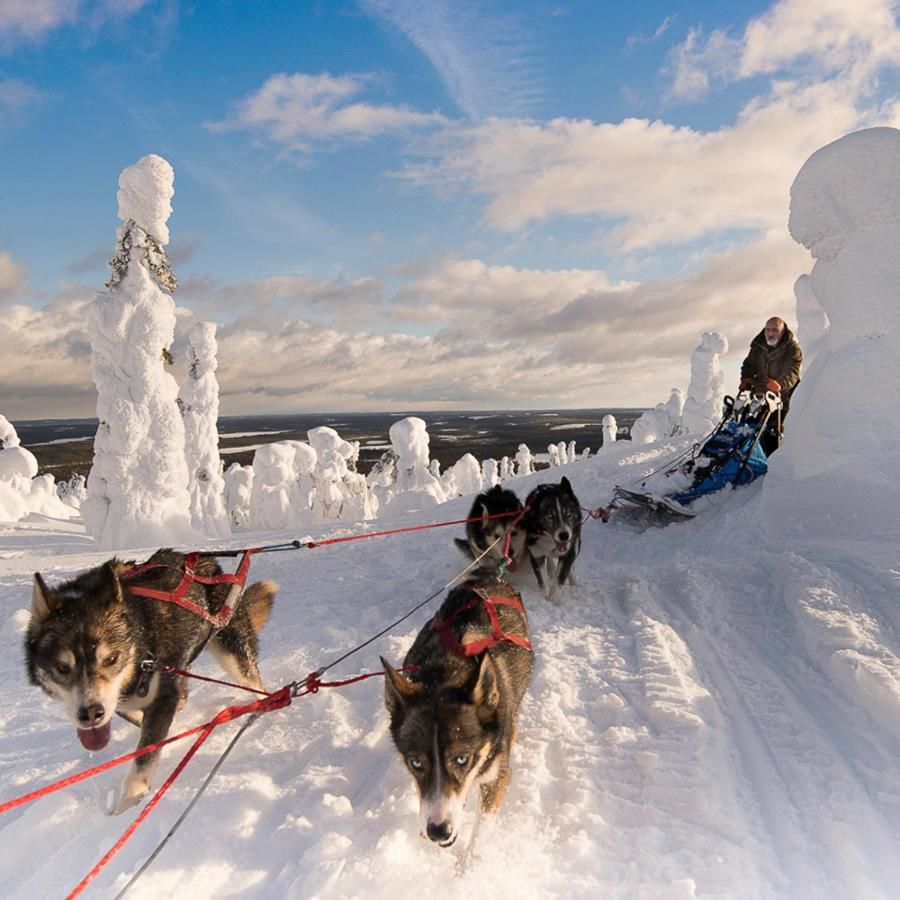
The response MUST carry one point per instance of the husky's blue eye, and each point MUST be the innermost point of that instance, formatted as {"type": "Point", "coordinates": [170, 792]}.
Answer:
{"type": "Point", "coordinates": [415, 762]}
{"type": "Point", "coordinates": [461, 760]}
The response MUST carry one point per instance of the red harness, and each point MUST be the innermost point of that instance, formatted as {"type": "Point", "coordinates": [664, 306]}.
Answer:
{"type": "Point", "coordinates": [189, 576]}
{"type": "Point", "coordinates": [450, 641]}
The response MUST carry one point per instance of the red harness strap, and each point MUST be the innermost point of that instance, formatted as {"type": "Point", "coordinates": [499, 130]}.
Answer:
{"type": "Point", "coordinates": [178, 595]}
{"type": "Point", "coordinates": [450, 641]}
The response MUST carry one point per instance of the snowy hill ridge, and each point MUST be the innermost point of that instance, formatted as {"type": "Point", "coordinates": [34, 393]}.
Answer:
{"type": "Point", "coordinates": [715, 707]}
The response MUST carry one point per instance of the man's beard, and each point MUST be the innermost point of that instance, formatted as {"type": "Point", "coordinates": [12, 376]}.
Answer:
{"type": "Point", "coordinates": [773, 342]}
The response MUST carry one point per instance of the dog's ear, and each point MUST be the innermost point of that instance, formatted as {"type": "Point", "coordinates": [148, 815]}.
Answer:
{"type": "Point", "coordinates": [398, 690]}
{"type": "Point", "coordinates": [110, 576]}
{"type": "Point", "coordinates": [43, 600]}
{"type": "Point", "coordinates": [564, 484]}
{"type": "Point", "coordinates": [485, 692]}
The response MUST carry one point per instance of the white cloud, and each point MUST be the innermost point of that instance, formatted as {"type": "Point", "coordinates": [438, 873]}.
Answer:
{"type": "Point", "coordinates": [32, 19]}
{"type": "Point", "coordinates": [294, 111]}
{"type": "Point", "coordinates": [495, 336]}
{"type": "Point", "coordinates": [12, 277]}
{"type": "Point", "coordinates": [483, 58]}
{"type": "Point", "coordinates": [23, 21]}
{"type": "Point", "coordinates": [656, 182]}
{"type": "Point", "coordinates": [825, 36]}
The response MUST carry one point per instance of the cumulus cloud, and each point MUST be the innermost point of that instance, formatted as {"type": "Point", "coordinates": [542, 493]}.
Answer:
{"type": "Point", "coordinates": [296, 111]}
{"type": "Point", "coordinates": [653, 182]}
{"type": "Point", "coordinates": [827, 36]}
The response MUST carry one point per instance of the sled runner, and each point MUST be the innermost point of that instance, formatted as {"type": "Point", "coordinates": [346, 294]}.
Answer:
{"type": "Point", "coordinates": [732, 454]}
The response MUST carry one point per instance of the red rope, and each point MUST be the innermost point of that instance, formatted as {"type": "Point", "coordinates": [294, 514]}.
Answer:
{"type": "Point", "coordinates": [127, 757]}
{"type": "Point", "coordinates": [311, 545]}
{"type": "Point", "coordinates": [278, 700]}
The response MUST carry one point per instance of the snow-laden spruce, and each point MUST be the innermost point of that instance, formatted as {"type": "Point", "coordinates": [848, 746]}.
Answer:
{"type": "Point", "coordinates": [198, 401]}
{"type": "Point", "coordinates": [703, 405]}
{"type": "Point", "coordinates": [138, 485]}
{"type": "Point", "coordinates": [841, 458]}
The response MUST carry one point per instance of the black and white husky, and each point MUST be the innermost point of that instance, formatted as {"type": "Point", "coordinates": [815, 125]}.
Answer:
{"type": "Point", "coordinates": [493, 523]}
{"type": "Point", "coordinates": [101, 650]}
{"type": "Point", "coordinates": [453, 718]}
{"type": "Point", "coordinates": [553, 534]}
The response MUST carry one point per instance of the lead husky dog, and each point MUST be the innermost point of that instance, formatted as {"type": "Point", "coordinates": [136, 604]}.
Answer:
{"type": "Point", "coordinates": [553, 526]}
{"type": "Point", "coordinates": [453, 718]}
{"type": "Point", "coordinates": [489, 527]}
{"type": "Point", "coordinates": [100, 650]}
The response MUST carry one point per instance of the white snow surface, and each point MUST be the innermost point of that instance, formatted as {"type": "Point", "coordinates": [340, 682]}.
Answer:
{"type": "Point", "coordinates": [711, 714]}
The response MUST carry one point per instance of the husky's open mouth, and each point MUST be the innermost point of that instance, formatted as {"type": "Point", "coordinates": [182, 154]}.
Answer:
{"type": "Point", "coordinates": [562, 547]}
{"type": "Point", "coordinates": [94, 738]}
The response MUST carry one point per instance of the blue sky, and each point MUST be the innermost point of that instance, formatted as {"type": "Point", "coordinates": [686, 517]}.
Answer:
{"type": "Point", "coordinates": [389, 204]}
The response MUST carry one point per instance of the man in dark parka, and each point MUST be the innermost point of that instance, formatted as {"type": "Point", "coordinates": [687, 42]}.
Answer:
{"type": "Point", "coordinates": [773, 364]}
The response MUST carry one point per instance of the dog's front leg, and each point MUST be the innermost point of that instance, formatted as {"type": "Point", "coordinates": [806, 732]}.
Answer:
{"type": "Point", "coordinates": [492, 793]}
{"type": "Point", "coordinates": [538, 563]}
{"type": "Point", "coordinates": [155, 726]}
{"type": "Point", "coordinates": [565, 570]}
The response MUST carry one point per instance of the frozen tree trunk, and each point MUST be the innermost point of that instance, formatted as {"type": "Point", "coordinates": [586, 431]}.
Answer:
{"type": "Point", "coordinates": [138, 486]}
{"type": "Point", "coordinates": [199, 404]}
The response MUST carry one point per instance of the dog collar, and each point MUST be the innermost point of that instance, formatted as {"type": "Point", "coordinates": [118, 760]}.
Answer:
{"type": "Point", "coordinates": [148, 667]}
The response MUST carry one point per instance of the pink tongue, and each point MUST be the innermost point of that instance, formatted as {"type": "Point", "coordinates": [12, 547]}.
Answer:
{"type": "Point", "coordinates": [94, 738]}
{"type": "Point", "coordinates": [562, 547]}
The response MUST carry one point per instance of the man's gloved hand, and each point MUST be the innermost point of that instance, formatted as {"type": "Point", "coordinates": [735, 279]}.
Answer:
{"type": "Point", "coordinates": [773, 386]}
{"type": "Point", "coordinates": [746, 384]}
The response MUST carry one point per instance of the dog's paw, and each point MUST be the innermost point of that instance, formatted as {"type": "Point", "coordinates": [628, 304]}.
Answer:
{"type": "Point", "coordinates": [553, 593]}
{"type": "Point", "coordinates": [133, 790]}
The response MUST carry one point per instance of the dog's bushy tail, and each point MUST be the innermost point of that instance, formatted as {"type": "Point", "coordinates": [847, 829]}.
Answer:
{"type": "Point", "coordinates": [258, 599]}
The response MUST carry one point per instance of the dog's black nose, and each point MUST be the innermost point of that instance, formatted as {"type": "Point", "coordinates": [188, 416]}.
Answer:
{"type": "Point", "coordinates": [89, 716]}
{"type": "Point", "coordinates": [564, 535]}
{"type": "Point", "coordinates": [439, 831]}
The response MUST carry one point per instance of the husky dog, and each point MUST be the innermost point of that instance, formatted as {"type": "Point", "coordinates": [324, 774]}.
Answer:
{"type": "Point", "coordinates": [553, 527]}
{"type": "Point", "coordinates": [453, 718]}
{"type": "Point", "coordinates": [100, 650]}
{"type": "Point", "coordinates": [486, 532]}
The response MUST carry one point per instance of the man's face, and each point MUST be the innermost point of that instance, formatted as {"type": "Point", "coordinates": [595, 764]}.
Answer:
{"type": "Point", "coordinates": [774, 330]}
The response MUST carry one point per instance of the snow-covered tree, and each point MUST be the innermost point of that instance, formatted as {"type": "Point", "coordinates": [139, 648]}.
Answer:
{"type": "Point", "coordinates": [415, 486]}
{"type": "Point", "coordinates": [238, 494]}
{"type": "Point", "coordinates": [467, 477]}
{"type": "Point", "coordinates": [610, 430]}
{"type": "Point", "coordinates": [524, 461]}
{"type": "Point", "coordinates": [273, 479]}
{"type": "Point", "coordinates": [703, 406]}
{"type": "Point", "coordinates": [841, 452]}
{"type": "Point", "coordinates": [198, 401]}
{"type": "Point", "coordinates": [490, 473]}
{"type": "Point", "coordinates": [138, 485]}
{"type": "Point", "coordinates": [662, 421]}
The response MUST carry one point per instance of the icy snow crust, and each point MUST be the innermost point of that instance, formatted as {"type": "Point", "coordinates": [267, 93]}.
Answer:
{"type": "Point", "coordinates": [714, 711]}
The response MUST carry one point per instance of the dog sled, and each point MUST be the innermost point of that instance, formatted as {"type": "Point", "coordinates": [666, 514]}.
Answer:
{"type": "Point", "coordinates": [731, 454]}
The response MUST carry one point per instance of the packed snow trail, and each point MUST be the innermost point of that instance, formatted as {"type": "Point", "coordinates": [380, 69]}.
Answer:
{"type": "Point", "coordinates": [708, 716]}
